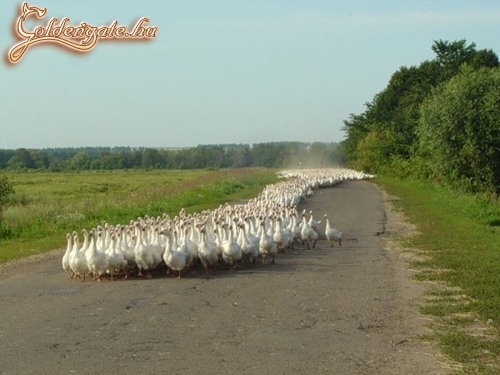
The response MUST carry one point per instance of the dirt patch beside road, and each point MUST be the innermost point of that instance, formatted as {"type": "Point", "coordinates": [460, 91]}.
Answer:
{"type": "Point", "coordinates": [348, 310]}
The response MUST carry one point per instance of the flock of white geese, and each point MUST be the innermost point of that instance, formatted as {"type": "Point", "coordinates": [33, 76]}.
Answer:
{"type": "Point", "coordinates": [230, 234]}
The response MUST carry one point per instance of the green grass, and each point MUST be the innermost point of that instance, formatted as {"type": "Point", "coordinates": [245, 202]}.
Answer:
{"type": "Point", "coordinates": [460, 235]}
{"type": "Point", "coordinates": [47, 205]}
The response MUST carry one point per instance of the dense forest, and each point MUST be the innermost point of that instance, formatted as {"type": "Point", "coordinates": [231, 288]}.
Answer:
{"type": "Point", "coordinates": [275, 154]}
{"type": "Point", "coordinates": [438, 121]}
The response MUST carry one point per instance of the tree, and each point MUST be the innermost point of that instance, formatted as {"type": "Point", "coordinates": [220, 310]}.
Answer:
{"type": "Point", "coordinates": [242, 157]}
{"type": "Point", "coordinates": [21, 159]}
{"type": "Point", "coordinates": [5, 156]}
{"type": "Point", "coordinates": [356, 127]}
{"type": "Point", "coordinates": [80, 161]}
{"type": "Point", "coordinates": [453, 53]}
{"type": "Point", "coordinates": [375, 150]}
{"type": "Point", "coordinates": [151, 158]}
{"type": "Point", "coordinates": [485, 58]}
{"type": "Point", "coordinates": [459, 130]}
{"type": "Point", "coordinates": [386, 132]}
{"type": "Point", "coordinates": [40, 160]}
{"type": "Point", "coordinates": [263, 154]}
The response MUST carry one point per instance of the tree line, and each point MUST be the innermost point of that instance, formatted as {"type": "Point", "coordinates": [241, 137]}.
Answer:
{"type": "Point", "coordinates": [439, 121]}
{"type": "Point", "coordinates": [273, 154]}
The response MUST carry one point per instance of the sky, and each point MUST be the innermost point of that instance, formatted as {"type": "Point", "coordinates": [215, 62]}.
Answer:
{"type": "Point", "coordinates": [219, 71]}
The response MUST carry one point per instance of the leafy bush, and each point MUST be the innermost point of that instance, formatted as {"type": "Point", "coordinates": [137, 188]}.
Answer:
{"type": "Point", "coordinates": [6, 189]}
{"type": "Point", "coordinates": [459, 130]}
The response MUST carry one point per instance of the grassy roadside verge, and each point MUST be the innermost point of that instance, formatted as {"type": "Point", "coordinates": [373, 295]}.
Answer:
{"type": "Point", "coordinates": [460, 241]}
{"type": "Point", "coordinates": [48, 205]}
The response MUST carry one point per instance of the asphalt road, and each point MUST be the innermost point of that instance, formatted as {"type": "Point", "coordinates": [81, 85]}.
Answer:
{"type": "Point", "coordinates": [348, 310]}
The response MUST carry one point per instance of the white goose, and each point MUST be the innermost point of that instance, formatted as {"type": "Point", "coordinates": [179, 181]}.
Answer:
{"type": "Point", "coordinates": [295, 229]}
{"type": "Point", "coordinates": [77, 261]}
{"type": "Point", "coordinates": [66, 257]}
{"type": "Point", "coordinates": [174, 258]}
{"type": "Point", "coordinates": [143, 254]}
{"type": "Point", "coordinates": [282, 236]}
{"type": "Point", "coordinates": [332, 234]}
{"type": "Point", "coordinates": [218, 241]}
{"type": "Point", "coordinates": [126, 246]}
{"type": "Point", "coordinates": [96, 260]}
{"type": "Point", "coordinates": [314, 224]}
{"type": "Point", "coordinates": [116, 259]}
{"type": "Point", "coordinates": [248, 243]}
{"type": "Point", "coordinates": [191, 248]}
{"type": "Point", "coordinates": [267, 247]}
{"type": "Point", "coordinates": [308, 234]}
{"type": "Point", "coordinates": [207, 251]}
{"type": "Point", "coordinates": [156, 246]}
{"type": "Point", "coordinates": [231, 251]}
{"type": "Point", "coordinates": [85, 245]}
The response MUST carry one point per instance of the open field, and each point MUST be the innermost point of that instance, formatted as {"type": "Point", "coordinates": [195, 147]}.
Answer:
{"type": "Point", "coordinates": [457, 253]}
{"type": "Point", "coordinates": [46, 205]}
